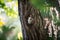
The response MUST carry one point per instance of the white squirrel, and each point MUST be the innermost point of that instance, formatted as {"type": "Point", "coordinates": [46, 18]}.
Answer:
{"type": "Point", "coordinates": [30, 19]}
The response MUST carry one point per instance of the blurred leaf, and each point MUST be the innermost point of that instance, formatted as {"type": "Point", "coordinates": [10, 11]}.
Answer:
{"type": "Point", "coordinates": [58, 23]}
{"type": "Point", "coordinates": [6, 29]}
{"type": "Point", "coordinates": [2, 5]}
{"type": "Point", "coordinates": [1, 1]}
{"type": "Point", "coordinates": [9, 0]}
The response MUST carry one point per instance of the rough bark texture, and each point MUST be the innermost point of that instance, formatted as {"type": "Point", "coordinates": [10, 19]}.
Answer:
{"type": "Point", "coordinates": [36, 30]}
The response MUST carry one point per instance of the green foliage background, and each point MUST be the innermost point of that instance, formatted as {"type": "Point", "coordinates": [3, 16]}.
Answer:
{"type": "Point", "coordinates": [44, 7]}
{"type": "Point", "coordinates": [10, 9]}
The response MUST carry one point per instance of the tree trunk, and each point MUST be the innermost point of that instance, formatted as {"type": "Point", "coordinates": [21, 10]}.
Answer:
{"type": "Point", "coordinates": [33, 31]}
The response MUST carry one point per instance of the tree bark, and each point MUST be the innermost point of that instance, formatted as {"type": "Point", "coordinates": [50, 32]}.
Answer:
{"type": "Point", "coordinates": [36, 30]}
